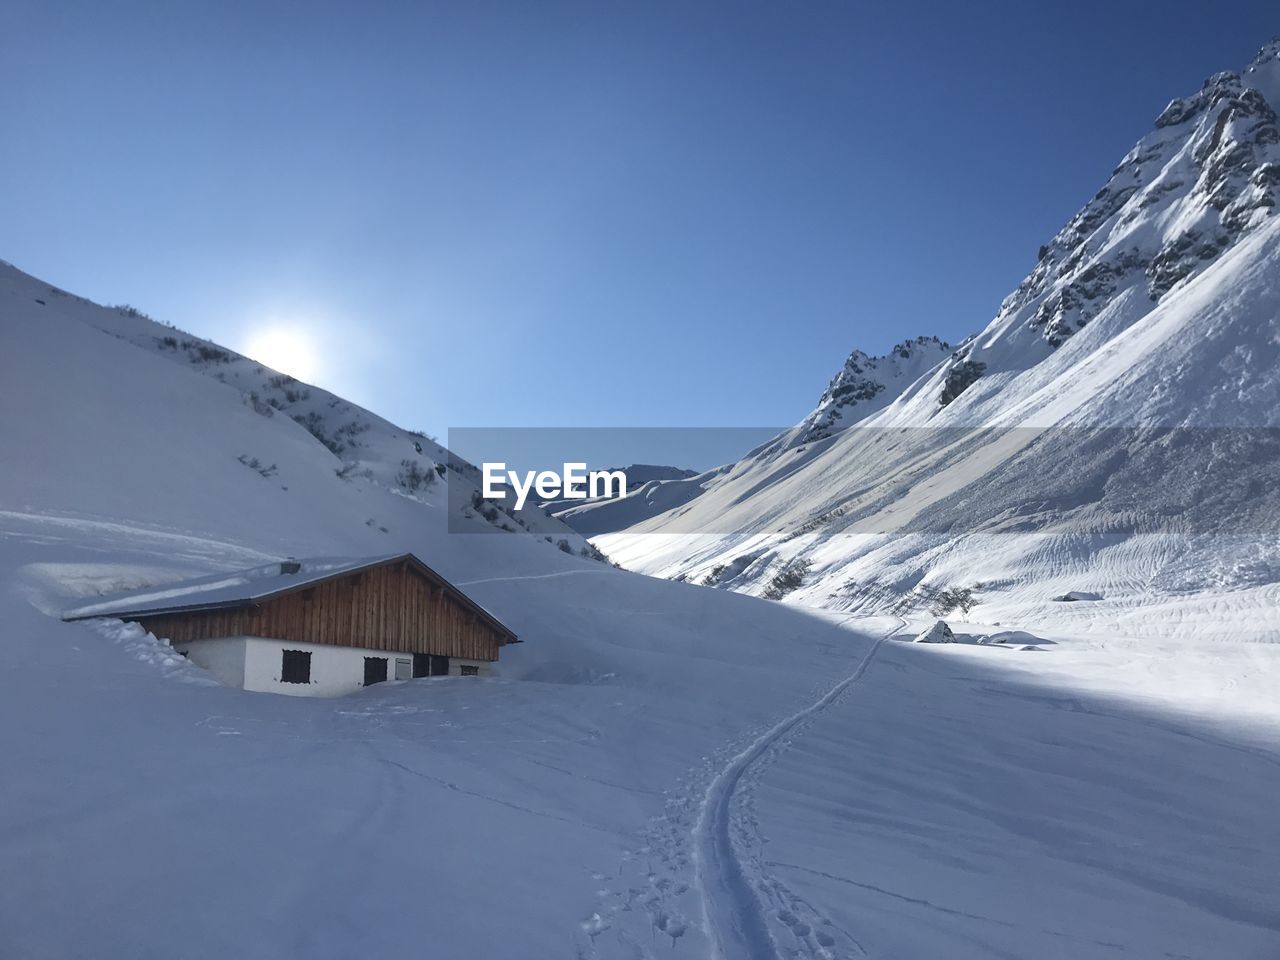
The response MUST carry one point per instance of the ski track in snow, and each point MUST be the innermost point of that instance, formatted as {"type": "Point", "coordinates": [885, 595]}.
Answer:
{"type": "Point", "coordinates": [706, 853]}
{"type": "Point", "coordinates": [734, 889]}
{"type": "Point", "coordinates": [55, 528]}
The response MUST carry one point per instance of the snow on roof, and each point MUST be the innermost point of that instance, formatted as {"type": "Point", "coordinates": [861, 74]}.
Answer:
{"type": "Point", "coordinates": [247, 586]}
{"type": "Point", "coordinates": [221, 589]}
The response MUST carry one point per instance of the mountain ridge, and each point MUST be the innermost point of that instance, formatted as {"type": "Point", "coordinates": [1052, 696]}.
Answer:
{"type": "Point", "coordinates": [1153, 308]}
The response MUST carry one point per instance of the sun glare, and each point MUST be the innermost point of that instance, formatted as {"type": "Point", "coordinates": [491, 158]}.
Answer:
{"type": "Point", "coordinates": [287, 349]}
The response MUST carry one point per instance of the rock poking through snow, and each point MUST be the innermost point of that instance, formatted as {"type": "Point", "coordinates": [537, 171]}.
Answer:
{"type": "Point", "coordinates": [938, 633]}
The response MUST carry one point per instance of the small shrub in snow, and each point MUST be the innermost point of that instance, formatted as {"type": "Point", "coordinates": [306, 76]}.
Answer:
{"type": "Point", "coordinates": [131, 311]}
{"type": "Point", "coordinates": [259, 406]}
{"type": "Point", "coordinates": [788, 579]}
{"type": "Point", "coordinates": [253, 463]}
{"type": "Point", "coordinates": [953, 598]}
{"type": "Point", "coordinates": [713, 577]}
{"type": "Point", "coordinates": [348, 432]}
{"type": "Point", "coordinates": [313, 423]}
{"type": "Point", "coordinates": [206, 353]}
{"type": "Point", "coordinates": [413, 478]}
{"type": "Point", "coordinates": [564, 546]}
{"type": "Point", "coordinates": [348, 470]}
{"type": "Point", "coordinates": [483, 507]}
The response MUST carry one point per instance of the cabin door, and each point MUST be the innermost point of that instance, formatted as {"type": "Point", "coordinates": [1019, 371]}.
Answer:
{"type": "Point", "coordinates": [375, 670]}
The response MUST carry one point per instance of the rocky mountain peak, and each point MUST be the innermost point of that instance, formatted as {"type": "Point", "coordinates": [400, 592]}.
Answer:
{"type": "Point", "coordinates": [1263, 73]}
{"type": "Point", "coordinates": [866, 383]}
{"type": "Point", "coordinates": [1205, 177]}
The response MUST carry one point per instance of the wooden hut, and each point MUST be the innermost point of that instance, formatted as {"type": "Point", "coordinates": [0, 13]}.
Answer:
{"type": "Point", "coordinates": [318, 627]}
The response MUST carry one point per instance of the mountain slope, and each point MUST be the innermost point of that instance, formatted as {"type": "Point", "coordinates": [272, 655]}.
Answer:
{"type": "Point", "coordinates": [1120, 402]}
{"type": "Point", "coordinates": [290, 443]}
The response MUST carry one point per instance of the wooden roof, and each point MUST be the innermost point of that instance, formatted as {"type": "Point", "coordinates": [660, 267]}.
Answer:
{"type": "Point", "coordinates": [250, 587]}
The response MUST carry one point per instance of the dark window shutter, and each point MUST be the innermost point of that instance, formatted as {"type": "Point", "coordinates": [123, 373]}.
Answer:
{"type": "Point", "coordinates": [295, 666]}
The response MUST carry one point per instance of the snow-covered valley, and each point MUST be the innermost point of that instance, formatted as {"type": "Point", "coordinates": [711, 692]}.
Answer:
{"type": "Point", "coordinates": [659, 769]}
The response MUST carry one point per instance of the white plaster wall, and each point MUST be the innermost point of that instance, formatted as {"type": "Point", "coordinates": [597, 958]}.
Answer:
{"type": "Point", "coordinates": [334, 670]}
{"type": "Point", "coordinates": [223, 657]}
{"type": "Point", "coordinates": [254, 663]}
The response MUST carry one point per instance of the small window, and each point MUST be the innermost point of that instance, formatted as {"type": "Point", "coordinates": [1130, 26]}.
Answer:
{"type": "Point", "coordinates": [404, 669]}
{"type": "Point", "coordinates": [375, 670]}
{"type": "Point", "coordinates": [469, 670]}
{"type": "Point", "coordinates": [295, 666]}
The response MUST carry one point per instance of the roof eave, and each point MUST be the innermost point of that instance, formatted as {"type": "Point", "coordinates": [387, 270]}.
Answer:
{"type": "Point", "coordinates": [239, 602]}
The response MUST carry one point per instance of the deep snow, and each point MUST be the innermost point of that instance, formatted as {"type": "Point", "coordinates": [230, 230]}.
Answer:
{"type": "Point", "coordinates": [660, 770]}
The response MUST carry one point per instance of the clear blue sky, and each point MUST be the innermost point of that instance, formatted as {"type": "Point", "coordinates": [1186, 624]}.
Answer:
{"type": "Point", "coordinates": [598, 213]}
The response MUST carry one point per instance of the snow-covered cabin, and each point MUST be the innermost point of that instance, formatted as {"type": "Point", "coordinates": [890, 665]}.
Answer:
{"type": "Point", "coordinates": [320, 627]}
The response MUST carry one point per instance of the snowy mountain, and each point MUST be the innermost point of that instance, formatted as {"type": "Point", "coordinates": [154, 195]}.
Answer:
{"type": "Point", "coordinates": [304, 438]}
{"type": "Point", "coordinates": [638, 474]}
{"type": "Point", "coordinates": [866, 384]}
{"type": "Point", "coordinates": [605, 514]}
{"type": "Point", "coordinates": [1119, 404]}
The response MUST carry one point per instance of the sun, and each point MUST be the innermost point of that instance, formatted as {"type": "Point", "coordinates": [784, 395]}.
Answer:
{"type": "Point", "coordinates": [287, 349]}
